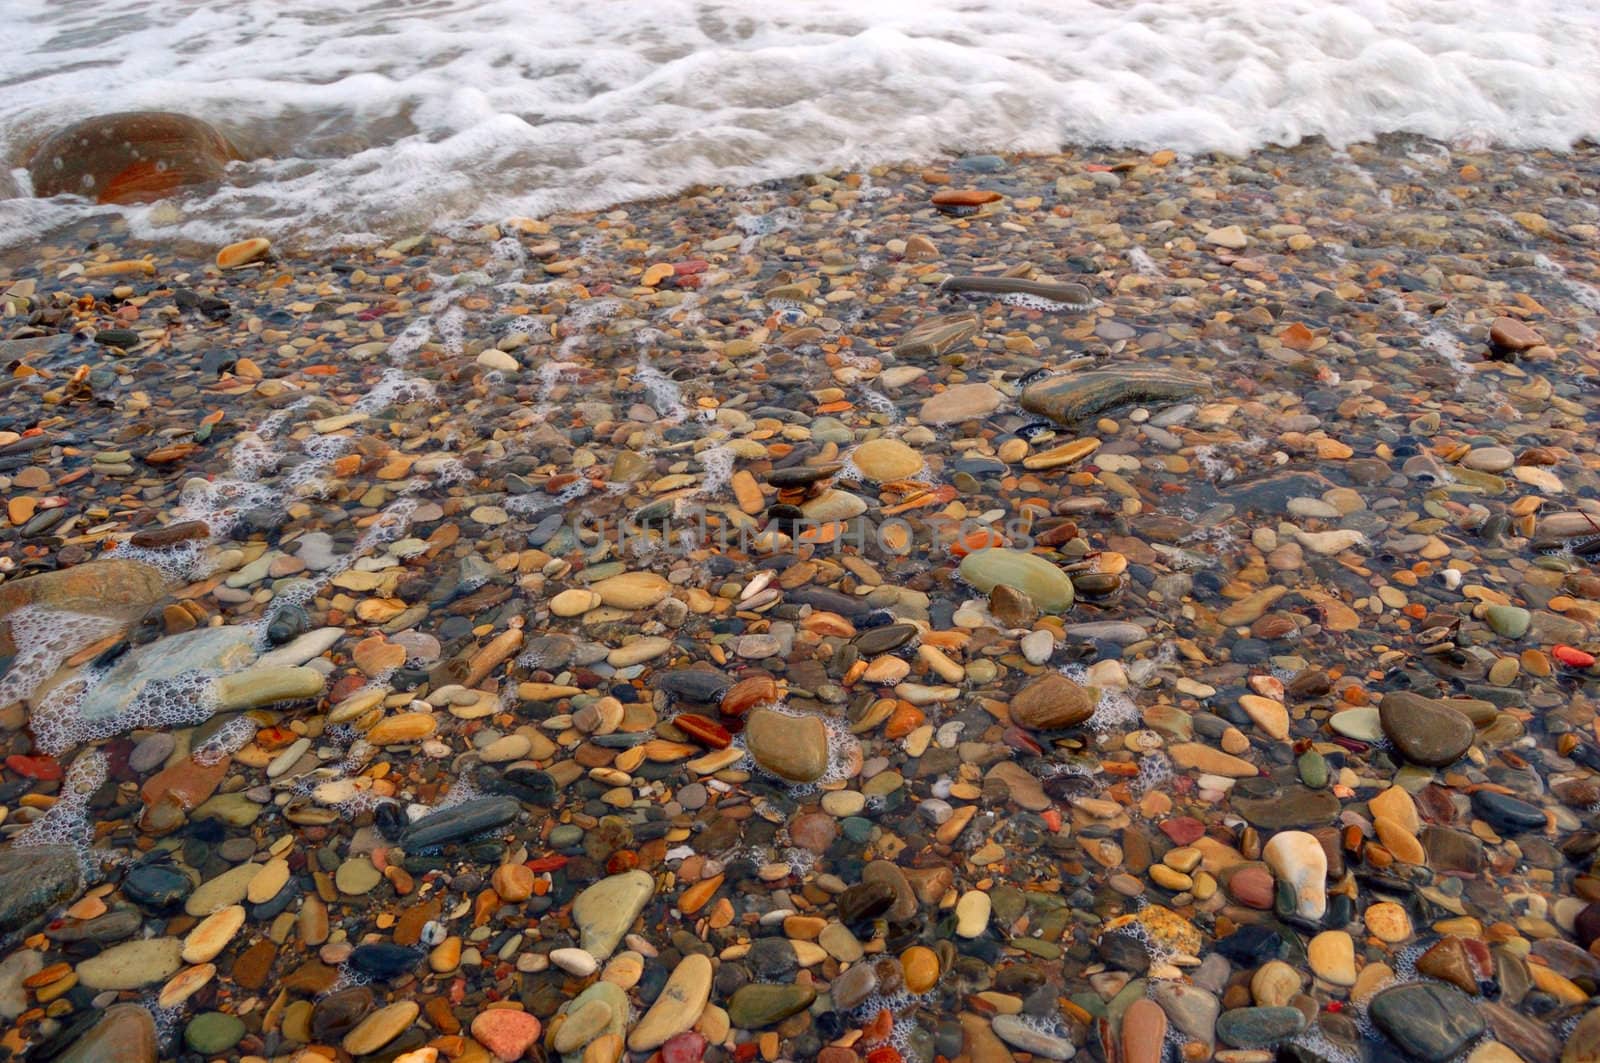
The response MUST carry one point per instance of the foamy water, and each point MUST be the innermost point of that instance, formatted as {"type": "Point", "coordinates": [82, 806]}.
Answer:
{"type": "Point", "coordinates": [369, 120]}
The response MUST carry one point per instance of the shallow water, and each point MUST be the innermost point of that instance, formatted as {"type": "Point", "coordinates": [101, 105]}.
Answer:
{"type": "Point", "coordinates": [366, 121]}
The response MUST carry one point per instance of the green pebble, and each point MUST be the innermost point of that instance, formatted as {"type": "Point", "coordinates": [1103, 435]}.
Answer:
{"type": "Point", "coordinates": [213, 1032]}
{"type": "Point", "coordinates": [1508, 621]}
{"type": "Point", "coordinates": [1313, 769]}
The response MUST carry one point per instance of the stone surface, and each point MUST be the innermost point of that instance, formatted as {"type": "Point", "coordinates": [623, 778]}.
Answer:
{"type": "Point", "coordinates": [133, 964]}
{"type": "Point", "coordinates": [1425, 730]}
{"type": "Point", "coordinates": [1069, 399]}
{"type": "Point", "coordinates": [34, 880]}
{"type": "Point", "coordinates": [1431, 1022]}
{"type": "Point", "coordinates": [678, 1007]}
{"type": "Point", "coordinates": [1045, 584]}
{"type": "Point", "coordinates": [132, 157]}
{"type": "Point", "coordinates": [794, 748]}
{"type": "Point", "coordinates": [126, 1033]}
{"type": "Point", "coordinates": [606, 910]}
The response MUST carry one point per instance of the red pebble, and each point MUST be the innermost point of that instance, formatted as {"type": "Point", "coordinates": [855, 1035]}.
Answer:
{"type": "Point", "coordinates": [687, 1047]}
{"type": "Point", "coordinates": [46, 769]}
{"type": "Point", "coordinates": [620, 861]}
{"type": "Point", "coordinates": [746, 1052]}
{"type": "Point", "coordinates": [886, 1054]}
{"type": "Point", "coordinates": [547, 863]}
{"type": "Point", "coordinates": [694, 265]}
{"type": "Point", "coordinates": [1572, 658]}
{"type": "Point", "coordinates": [1183, 829]}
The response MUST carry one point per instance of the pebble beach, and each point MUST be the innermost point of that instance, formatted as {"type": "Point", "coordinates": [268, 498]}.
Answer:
{"type": "Point", "coordinates": [1120, 605]}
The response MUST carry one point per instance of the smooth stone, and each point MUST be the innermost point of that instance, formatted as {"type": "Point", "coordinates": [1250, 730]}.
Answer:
{"type": "Point", "coordinates": [133, 964]}
{"type": "Point", "coordinates": [14, 971]}
{"type": "Point", "coordinates": [1075, 397]}
{"type": "Point", "coordinates": [1425, 730]}
{"type": "Point", "coordinates": [1192, 1009]}
{"type": "Point", "coordinates": [1332, 956]}
{"type": "Point", "coordinates": [605, 911]}
{"type": "Point", "coordinates": [1428, 1020]}
{"type": "Point", "coordinates": [126, 1033]}
{"type": "Point", "coordinates": [156, 886]}
{"type": "Point", "coordinates": [381, 1027]}
{"type": "Point", "coordinates": [794, 748]}
{"type": "Point", "coordinates": [1259, 1027]}
{"type": "Point", "coordinates": [1361, 723]}
{"type": "Point", "coordinates": [1023, 788]}
{"type": "Point", "coordinates": [1046, 585]}
{"type": "Point", "coordinates": [961, 402]}
{"type": "Point", "coordinates": [506, 1032]}
{"type": "Point", "coordinates": [213, 1032]}
{"type": "Point", "coordinates": [211, 649]}
{"type": "Point", "coordinates": [632, 590]}
{"type": "Point", "coordinates": [598, 1011]}
{"type": "Point", "coordinates": [1052, 702]}
{"type": "Point", "coordinates": [1298, 859]}
{"type": "Point", "coordinates": [972, 913]}
{"type": "Point", "coordinates": [214, 894]}
{"type": "Point", "coordinates": [758, 1005]}
{"type": "Point", "coordinates": [1508, 621]}
{"type": "Point", "coordinates": [457, 822]}
{"type": "Point", "coordinates": [883, 460]}
{"type": "Point", "coordinates": [130, 157]}
{"type": "Point", "coordinates": [1583, 1044]}
{"type": "Point", "coordinates": [1144, 1032]}
{"type": "Point", "coordinates": [1506, 812]}
{"type": "Point", "coordinates": [679, 1005]}
{"type": "Point", "coordinates": [1018, 1034]}
{"type": "Point", "coordinates": [1294, 806]}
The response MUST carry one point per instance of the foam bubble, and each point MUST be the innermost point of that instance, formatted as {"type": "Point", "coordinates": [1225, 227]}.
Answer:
{"type": "Point", "coordinates": [396, 387]}
{"type": "Point", "coordinates": [69, 821]}
{"type": "Point", "coordinates": [57, 723]}
{"type": "Point", "coordinates": [45, 638]}
{"type": "Point", "coordinates": [1026, 301]}
{"type": "Point", "coordinates": [228, 740]}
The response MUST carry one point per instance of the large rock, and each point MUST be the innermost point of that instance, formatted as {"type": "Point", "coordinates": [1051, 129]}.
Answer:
{"type": "Point", "coordinates": [116, 590]}
{"type": "Point", "coordinates": [212, 650]}
{"type": "Point", "coordinates": [35, 879]}
{"type": "Point", "coordinates": [1427, 731]}
{"type": "Point", "coordinates": [1078, 396]}
{"type": "Point", "coordinates": [126, 1033]}
{"type": "Point", "coordinates": [133, 157]}
{"type": "Point", "coordinates": [606, 910]}
{"type": "Point", "coordinates": [1052, 702]}
{"type": "Point", "coordinates": [1045, 584]}
{"type": "Point", "coordinates": [466, 820]}
{"type": "Point", "coordinates": [133, 964]}
{"type": "Point", "coordinates": [794, 748]}
{"type": "Point", "coordinates": [1430, 1021]}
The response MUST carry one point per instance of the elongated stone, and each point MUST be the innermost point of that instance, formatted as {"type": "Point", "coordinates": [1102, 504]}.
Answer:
{"type": "Point", "coordinates": [678, 1007]}
{"type": "Point", "coordinates": [466, 820]}
{"type": "Point", "coordinates": [931, 338]}
{"type": "Point", "coordinates": [133, 964]}
{"type": "Point", "coordinates": [263, 686]}
{"type": "Point", "coordinates": [1070, 399]}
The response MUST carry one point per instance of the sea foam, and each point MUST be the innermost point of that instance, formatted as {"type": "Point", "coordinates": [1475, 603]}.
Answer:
{"type": "Point", "coordinates": [359, 127]}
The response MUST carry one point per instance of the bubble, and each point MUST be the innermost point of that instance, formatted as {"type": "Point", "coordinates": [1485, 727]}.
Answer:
{"type": "Point", "coordinates": [878, 401]}
{"type": "Point", "coordinates": [180, 563]}
{"type": "Point", "coordinates": [228, 740]}
{"type": "Point", "coordinates": [1025, 301]}
{"type": "Point", "coordinates": [45, 638]}
{"type": "Point", "coordinates": [221, 502]}
{"type": "Point", "coordinates": [664, 393]}
{"type": "Point", "coordinates": [1155, 771]}
{"type": "Point", "coordinates": [57, 723]}
{"type": "Point", "coordinates": [1115, 711]}
{"type": "Point", "coordinates": [718, 463]}
{"type": "Point", "coordinates": [396, 387]}
{"type": "Point", "coordinates": [69, 822]}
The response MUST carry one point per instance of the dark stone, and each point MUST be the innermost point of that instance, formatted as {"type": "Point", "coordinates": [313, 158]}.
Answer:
{"type": "Point", "coordinates": [33, 880]}
{"type": "Point", "coordinates": [1295, 806]}
{"type": "Point", "coordinates": [1074, 397]}
{"type": "Point", "coordinates": [864, 902]}
{"type": "Point", "coordinates": [383, 961]}
{"type": "Point", "coordinates": [157, 886]}
{"type": "Point", "coordinates": [1426, 730]}
{"type": "Point", "coordinates": [1506, 812]}
{"type": "Point", "coordinates": [1259, 1027]}
{"type": "Point", "coordinates": [1429, 1020]}
{"type": "Point", "coordinates": [338, 1013]}
{"type": "Point", "coordinates": [459, 821]}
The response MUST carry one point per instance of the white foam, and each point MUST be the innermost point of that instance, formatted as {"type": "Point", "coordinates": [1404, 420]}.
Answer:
{"type": "Point", "coordinates": [457, 111]}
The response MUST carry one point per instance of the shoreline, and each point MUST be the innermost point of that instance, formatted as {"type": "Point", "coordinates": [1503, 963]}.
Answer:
{"type": "Point", "coordinates": [1258, 664]}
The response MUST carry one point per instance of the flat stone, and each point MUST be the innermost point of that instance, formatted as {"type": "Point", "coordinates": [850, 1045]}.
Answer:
{"type": "Point", "coordinates": [679, 1005]}
{"type": "Point", "coordinates": [1045, 584]}
{"type": "Point", "coordinates": [131, 157]}
{"type": "Point", "coordinates": [758, 1005]}
{"type": "Point", "coordinates": [1259, 1027]}
{"type": "Point", "coordinates": [1430, 1021]}
{"type": "Point", "coordinates": [1425, 730]}
{"type": "Point", "coordinates": [1052, 702]}
{"type": "Point", "coordinates": [605, 911]}
{"type": "Point", "coordinates": [962, 402]}
{"type": "Point", "coordinates": [506, 1032]}
{"type": "Point", "coordinates": [1144, 1032]}
{"type": "Point", "coordinates": [1072, 398]}
{"type": "Point", "coordinates": [381, 1027]}
{"type": "Point", "coordinates": [126, 1033]}
{"type": "Point", "coordinates": [883, 460]}
{"type": "Point", "coordinates": [133, 964]}
{"type": "Point", "coordinates": [458, 822]}
{"type": "Point", "coordinates": [794, 748]}
{"type": "Point", "coordinates": [1021, 786]}
{"type": "Point", "coordinates": [1018, 1034]}
{"type": "Point", "coordinates": [212, 1032]}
